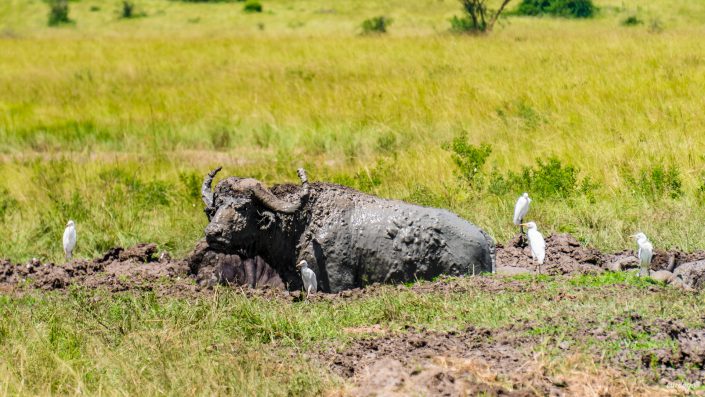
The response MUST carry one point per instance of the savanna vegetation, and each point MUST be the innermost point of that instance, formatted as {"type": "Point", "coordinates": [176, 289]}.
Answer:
{"type": "Point", "coordinates": [92, 343]}
{"type": "Point", "coordinates": [112, 121]}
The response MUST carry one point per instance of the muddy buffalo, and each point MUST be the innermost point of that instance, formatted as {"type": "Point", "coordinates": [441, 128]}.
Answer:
{"type": "Point", "coordinates": [349, 238]}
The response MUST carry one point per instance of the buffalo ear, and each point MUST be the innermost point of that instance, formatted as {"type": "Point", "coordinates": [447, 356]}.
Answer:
{"type": "Point", "coordinates": [266, 221]}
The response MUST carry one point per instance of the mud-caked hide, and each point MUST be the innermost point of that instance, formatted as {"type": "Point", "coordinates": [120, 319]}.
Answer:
{"type": "Point", "coordinates": [349, 238]}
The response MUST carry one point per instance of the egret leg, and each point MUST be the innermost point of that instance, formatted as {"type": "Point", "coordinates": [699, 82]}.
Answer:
{"type": "Point", "coordinates": [522, 242]}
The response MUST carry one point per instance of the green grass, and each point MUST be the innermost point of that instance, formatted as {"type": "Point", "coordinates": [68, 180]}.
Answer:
{"type": "Point", "coordinates": [113, 122]}
{"type": "Point", "coordinates": [226, 343]}
{"type": "Point", "coordinates": [192, 85]}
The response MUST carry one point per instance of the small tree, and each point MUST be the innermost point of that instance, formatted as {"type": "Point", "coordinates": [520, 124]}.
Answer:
{"type": "Point", "coordinates": [479, 18]}
{"type": "Point", "coordinates": [128, 8]}
{"type": "Point", "coordinates": [58, 12]}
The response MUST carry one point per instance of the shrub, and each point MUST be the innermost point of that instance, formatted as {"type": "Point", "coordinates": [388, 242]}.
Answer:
{"type": "Point", "coordinates": [252, 6]}
{"type": "Point", "coordinates": [549, 178]}
{"type": "Point", "coordinates": [632, 20]}
{"type": "Point", "coordinates": [656, 182]}
{"type": "Point", "coordinates": [128, 9]}
{"type": "Point", "coordinates": [478, 18]}
{"type": "Point", "coordinates": [560, 8]}
{"type": "Point", "coordinates": [376, 25]}
{"type": "Point", "coordinates": [468, 158]}
{"type": "Point", "coordinates": [58, 12]}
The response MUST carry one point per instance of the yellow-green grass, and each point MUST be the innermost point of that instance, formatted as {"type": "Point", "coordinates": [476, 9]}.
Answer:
{"type": "Point", "coordinates": [92, 343]}
{"type": "Point", "coordinates": [192, 86]}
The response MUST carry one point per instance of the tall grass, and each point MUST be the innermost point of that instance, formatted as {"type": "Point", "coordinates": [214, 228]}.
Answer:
{"type": "Point", "coordinates": [89, 342]}
{"type": "Point", "coordinates": [153, 98]}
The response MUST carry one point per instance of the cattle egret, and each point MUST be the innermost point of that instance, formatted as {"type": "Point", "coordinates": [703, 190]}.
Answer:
{"type": "Point", "coordinates": [536, 242]}
{"type": "Point", "coordinates": [645, 251]}
{"type": "Point", "coordinates": [309, 278]}
{"type": "Point", "coordinates": [69, 239]}
{"type": "Point", "coordinates": [520, 210]}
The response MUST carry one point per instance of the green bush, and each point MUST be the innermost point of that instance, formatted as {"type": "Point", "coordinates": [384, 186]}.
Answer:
{"type": "Point", "coordinates": [128, 9]}
{"type": "Point", "coordinates": [462, 25]}
{"type": "Point", "coordinates": [376, 25]}
{"type": "Point", "coordinates": [468, 158]}
{"type": "Point", "coordinates": [252, 6]}
{"type": "Point", "coordinates": [549, 178]}
{"type": "Point", "coordinates": [632, 20]}
{"type": "Point", "coordinates": [560, 8]}
{"type": "Point", "coordinates": [58, 12]}
{"type": "Point", "coordinates": [656, 182]}
{"type": "Point", "coordinates": [477, 18]}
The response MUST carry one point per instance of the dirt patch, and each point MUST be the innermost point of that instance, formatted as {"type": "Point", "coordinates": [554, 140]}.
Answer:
{"type": "Point", "coordinates": [475, 361]}
{"type": "Point", "coordinates": [143, 267]}
{"type": "Point", "coordinates": [119, 269]}
{"type": "Point", "coordinates": [418, 362]}
{"type": "Point", "coordinates": [682, 361]}
{"type": "Point", "coordinates": [564, 255]}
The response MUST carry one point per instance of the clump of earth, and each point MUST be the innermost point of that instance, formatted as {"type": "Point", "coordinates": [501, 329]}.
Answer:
{"type": "Point", "coordinates": [145, 267]}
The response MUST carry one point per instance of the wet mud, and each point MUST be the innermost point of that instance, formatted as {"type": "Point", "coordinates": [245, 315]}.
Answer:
{"type": "Point", "coordinates": [504, 361]}
{"type": "Point", "coordinates": [145, 267]}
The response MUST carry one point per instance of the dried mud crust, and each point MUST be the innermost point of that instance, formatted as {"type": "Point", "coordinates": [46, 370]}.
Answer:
{"type": "Point", "coordinates": [143, 267]}
{"type": "Point", "coordinates": [421, 362]}
{"type": "Point", "coordinates": [682, 361]}
{"type": "Point", "coordinates": [119, 269]}
{"type": "Point", "coordinates": [566, 255]}
{"type": "Point", "coordinates": [502, 362]}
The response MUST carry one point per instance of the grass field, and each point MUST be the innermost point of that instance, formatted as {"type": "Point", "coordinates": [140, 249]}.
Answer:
{"type": "Point", "coordinates": [90, 343]}
{"type": "Point", "coordinates": [114, 122]}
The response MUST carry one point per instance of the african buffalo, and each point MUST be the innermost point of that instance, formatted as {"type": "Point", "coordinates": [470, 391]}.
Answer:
{"type": "Point", "coordinates": [349, 238]}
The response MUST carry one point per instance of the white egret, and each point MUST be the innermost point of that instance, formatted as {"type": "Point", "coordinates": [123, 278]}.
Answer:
{"type": "Point", "coordinates": [536, 242]}
{"type": "Point", "coordinates": [520, 210]}
{"type": "Point", "coordinates": [645, 251]}
{"type": "Point", "coordinates": [309, 278]}
{"type": "Point", "coordinates": [69, 239]}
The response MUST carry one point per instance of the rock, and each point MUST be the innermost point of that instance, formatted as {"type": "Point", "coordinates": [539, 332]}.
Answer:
{"type": "Point", "coordinates": [662, 275]}
{"type": "Point", "coordinates": [692, 274]}
{"type": "Point", "coordinates": [513, 271]}
{"type": "Point", "coordinates": [624, 263]}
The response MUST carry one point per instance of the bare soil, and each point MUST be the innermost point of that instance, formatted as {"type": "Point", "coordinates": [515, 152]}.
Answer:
{"type": "Point", "coordinates": [144, 267]}
{"type": "Point", "coordinates": [504, 362]}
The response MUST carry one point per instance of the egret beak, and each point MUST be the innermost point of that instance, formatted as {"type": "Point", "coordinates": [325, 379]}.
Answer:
{"type": "Point", "coordinates": [523, 224]}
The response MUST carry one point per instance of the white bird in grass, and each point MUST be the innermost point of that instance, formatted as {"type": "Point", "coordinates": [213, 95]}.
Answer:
{"type": "Point", "coordinates": [536, 242]}
{"type": "Point", "coordinates": [645, 251]}
{"type": "Point", "coordinates": [69, 239]}
{"type": "Point", "coordinates": [520, 210]}
{"type": "Point", "coordinates": [309, 277]}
